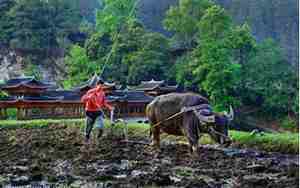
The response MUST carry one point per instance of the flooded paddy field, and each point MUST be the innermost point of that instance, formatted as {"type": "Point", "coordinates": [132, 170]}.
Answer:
{"type": "Point", "coordinates": [57, 156]}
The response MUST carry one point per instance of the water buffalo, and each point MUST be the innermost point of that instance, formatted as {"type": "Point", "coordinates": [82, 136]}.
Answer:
{"type": "Point", "coordinates": [189, 123]}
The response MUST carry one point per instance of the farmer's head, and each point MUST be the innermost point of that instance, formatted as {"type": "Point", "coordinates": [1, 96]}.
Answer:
{"type": "Point", "coordinates": [100, 84]}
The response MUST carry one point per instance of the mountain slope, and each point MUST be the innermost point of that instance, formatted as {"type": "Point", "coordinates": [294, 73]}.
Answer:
{"type": "Point", "coordinates": [277, 19]}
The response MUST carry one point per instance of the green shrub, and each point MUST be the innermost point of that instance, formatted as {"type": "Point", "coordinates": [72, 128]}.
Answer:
{"type": "Point", "coordinates": [289, 123]}
{"type": "Point", "coordinates": [12, 113]}
{"type": "Point", "coordinates": [2, 94]}
{"type": "Point", "coordinates": [272, 142]}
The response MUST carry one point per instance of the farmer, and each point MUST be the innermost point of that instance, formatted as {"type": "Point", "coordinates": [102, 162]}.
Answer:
{"type": "Point", "coordinates": [94, 101]}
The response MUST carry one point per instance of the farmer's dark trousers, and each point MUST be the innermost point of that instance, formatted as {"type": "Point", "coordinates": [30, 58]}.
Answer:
{"type": "Point", "coordinates": [91, 118]}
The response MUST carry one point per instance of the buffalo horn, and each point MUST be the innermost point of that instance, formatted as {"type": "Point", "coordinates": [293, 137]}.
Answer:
{"type": "Point", "coordinates": [230, 116]}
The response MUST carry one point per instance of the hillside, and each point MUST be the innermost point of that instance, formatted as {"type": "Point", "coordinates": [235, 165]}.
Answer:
{"type": "Point", "coordinates": [268, 18]}
{"type": "Point", "coordinates": [277, 19]}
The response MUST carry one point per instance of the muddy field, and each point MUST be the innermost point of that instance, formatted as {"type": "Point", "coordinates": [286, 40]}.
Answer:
{"type": "Point", "coordinates": [58, 156]}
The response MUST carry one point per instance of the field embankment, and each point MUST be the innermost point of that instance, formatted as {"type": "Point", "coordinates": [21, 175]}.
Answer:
{"type": "Point", "coordinates": [271, 142]}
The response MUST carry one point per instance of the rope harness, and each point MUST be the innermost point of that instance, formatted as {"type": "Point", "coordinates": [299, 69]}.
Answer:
{"type": "Point", "coordinates": [204, 120]}
{"type": "Point", "coordinates": [196, 110]}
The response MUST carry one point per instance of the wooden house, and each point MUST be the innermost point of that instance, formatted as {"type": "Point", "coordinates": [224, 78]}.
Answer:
{"type": "Point", "coordinates": [34, 99]}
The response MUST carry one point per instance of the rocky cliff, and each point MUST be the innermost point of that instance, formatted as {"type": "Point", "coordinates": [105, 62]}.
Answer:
{"type": "Point", "coordinates": [13, 63]}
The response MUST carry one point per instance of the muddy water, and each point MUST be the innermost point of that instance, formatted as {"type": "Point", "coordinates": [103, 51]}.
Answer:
{"type": "Point", "coordinates": [57, 156]}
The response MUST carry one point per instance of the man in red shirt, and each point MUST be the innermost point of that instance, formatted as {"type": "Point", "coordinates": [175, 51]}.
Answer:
{"type": "Point", "coordinates": [94, 101]}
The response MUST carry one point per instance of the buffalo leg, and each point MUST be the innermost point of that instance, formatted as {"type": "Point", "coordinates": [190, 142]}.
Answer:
{"type": "Point", "coordinates": [155, 136]}
{"type": "Point", "coordinates": [191, 132]}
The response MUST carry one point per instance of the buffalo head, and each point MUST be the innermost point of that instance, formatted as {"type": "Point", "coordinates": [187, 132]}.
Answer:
{"type": "Point", "coordinates": [221, 127]}
{"type": "Point", "coordinates": [218, 124]}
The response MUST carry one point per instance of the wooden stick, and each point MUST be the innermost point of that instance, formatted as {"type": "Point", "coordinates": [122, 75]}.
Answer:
{"type": "Point", "coordinates": [135, 142]}
{"type": "Point", "coordinates": [171, 117]}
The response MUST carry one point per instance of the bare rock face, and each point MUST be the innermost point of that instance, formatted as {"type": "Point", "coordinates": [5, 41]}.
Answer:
{"type": "Point", "coordinates": [12, 64]}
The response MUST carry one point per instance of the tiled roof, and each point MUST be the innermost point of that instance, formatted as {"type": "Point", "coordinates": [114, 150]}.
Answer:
{"type": "Point", "coordinates": [168, 88]}
{"type": "Point", "coordinates": [27, 81]}
{"type": "Point", "coordinates": [129, 96]}
{"type": "Point", "coordinates": [152, 84]}
{"type": "Point", "coordinates": [138, 96]}
{"type": "Point", "coordinates": [8, 99]}
{"type": "Point", "coordinates": [40, 98]}
{"type": "Point", "coordinates": [91, 83]}
{"type": "Point", "coordinates": [26, 98]}
{"type": "Point", "coordinates": [117, 95]}
{"type": "Point", "coordinates": [66, 95]}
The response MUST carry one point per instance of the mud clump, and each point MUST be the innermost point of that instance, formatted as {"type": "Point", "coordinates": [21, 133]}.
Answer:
{"type": "Point", "coordinates": [59, 155]}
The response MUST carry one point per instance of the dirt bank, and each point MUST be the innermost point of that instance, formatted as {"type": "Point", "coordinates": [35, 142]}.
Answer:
{"type": "Point", "coordinates": [58, 155]}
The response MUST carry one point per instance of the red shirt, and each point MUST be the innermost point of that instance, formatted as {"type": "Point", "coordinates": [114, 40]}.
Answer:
{"type": "Point", "coordinates": [94, 100]}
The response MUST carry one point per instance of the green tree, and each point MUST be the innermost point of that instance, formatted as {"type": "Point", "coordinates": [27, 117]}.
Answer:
{"type": "Point", "coordinates": [32, 69]}
{"type": "Point", "coordinates": [115, 23]}
{"type": "Point", "coordinates": [6, 21]}
{"type": "Point", "coordinates": [184, 71]}
{"type": "Point", "coordinates": [42, 24]}
{"type": "Point", "coordinates": [127, 42]}
{"type": "Point", "coordinates": [114, 14]}
{"type": "Point", "coordinates": [270, 77]}
{"type": "Point", "coordinates": [98, 45]}
{"type": "Point", "coordinates": [3, 94]}
{"type": "Point", "coordinates": [79, 67]}
{"type": "Point", "coordinates": [243, 44]}
{"type": "Point", "coordinates": [151, 60]}
{"type": "Point", "coordinates": [214, 69]}
{"type": "Point", "coordinates": [183, 19]}
{"type": "Point", "coordinates": [215, 24]}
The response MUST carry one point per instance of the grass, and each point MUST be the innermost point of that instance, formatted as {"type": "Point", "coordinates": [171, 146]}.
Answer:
{"type": "Point", "coordinates": [281, 142]}
{"type": "Point", "coordinates": [39, 123]}
{"type": "Point", "coordinates": [278, 142]}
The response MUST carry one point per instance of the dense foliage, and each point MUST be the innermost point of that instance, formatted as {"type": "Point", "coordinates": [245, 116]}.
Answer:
{"type": "Point", "coordinates": [228, 65]}
{"type": "Point", "coordinates": [5, 23]}
{"type": "Point", "coordinates": [2, 95]}
{"type": "Point", "coordinates": [183, 20]}
{"type": "Point", "coordinates": [215, 71]}
{"type": "Point", "coordinates": [122, 49]}
{"type": "Point", "coordinates": [270, 78]}
{"type": "Point", "coordinates": [37, 24]}
{"type": "Point", "coordinates": [79, 66]}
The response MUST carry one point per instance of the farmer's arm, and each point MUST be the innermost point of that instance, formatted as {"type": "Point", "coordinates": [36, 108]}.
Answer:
{"type": "Point", "coordinates": [94, 90]}
{"type": "Point", "coordinates": [110, 107]}
{"type": "Point", "coordinates": [85, 98]}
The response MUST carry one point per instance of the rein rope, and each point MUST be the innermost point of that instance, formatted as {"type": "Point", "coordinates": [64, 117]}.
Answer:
{"type": "Point", "coordinates": [208, 119]}
{"type": "Point", "coordinates": [210, 129]}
